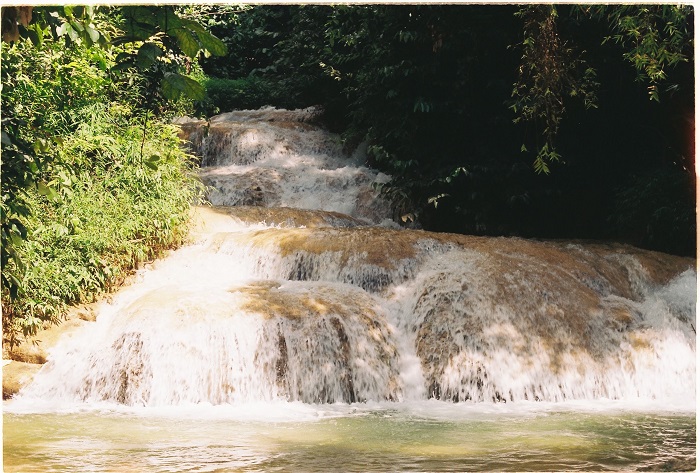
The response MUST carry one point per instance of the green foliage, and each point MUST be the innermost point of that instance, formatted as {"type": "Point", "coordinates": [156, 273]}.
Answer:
{"type": "Point", "coordinates": [282, 45]}
{"type": "Point", "coordinates": [158, 34]}
{"type": "Point", "coordinates": [225, 95]}
{"type": "Point", "coordinates": [83, 152]}
{"type": "Point", "coordinates": [414, 78]}
{"type": "Point", "coordinates": [550, 71]}
{"type": "Point", "coordinates": [111, 213]}
{"type": "Point", "coordinates": [53, 78]}
{"type": "Point", "coordinates": [35, 81]}
{"type": "Point", "coordinates": [74, 24]}
{"type": "Point", "coordinates": [656, 38]}
{"type": "Point", "coordinates": [656, 210]}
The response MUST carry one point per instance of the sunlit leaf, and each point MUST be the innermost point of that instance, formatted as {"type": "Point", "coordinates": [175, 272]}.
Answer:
{"type": "Point", "coordinates": [186, 40]}
{"type": "Point", "coordinates": [92, 33]}
{"type": "Point", "coordinates": [47, 191]}
{"type": "Point", "coordinates": [211, 43]}
{"type": "Point", "coordinates": [175, 84]}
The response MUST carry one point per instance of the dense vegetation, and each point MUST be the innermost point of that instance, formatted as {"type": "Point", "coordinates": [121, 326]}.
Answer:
{"type": "Point", "coordinates": [94, 179]}
{"type": "Point", "coordinates": [540, 121]}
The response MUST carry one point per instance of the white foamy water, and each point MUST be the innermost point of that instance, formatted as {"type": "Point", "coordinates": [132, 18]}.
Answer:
{"type": "Point", "coordinates": [320, 312]}
{"type": "Point", "coordinates": [277, 159]}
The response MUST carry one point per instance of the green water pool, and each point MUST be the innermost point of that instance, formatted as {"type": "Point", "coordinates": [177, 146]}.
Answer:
{"type": "Point", "coordinates": [427, 437]}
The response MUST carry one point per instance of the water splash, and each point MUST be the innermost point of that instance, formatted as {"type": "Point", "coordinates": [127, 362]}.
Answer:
{"type": "Point", "coordinates": [275, 158]}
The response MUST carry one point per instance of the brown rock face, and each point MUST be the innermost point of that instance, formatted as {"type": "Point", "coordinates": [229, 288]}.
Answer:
{"type": "Point", "coordinates": [16, 374]}
{"type": "Point", "coordinates": [26, 359]}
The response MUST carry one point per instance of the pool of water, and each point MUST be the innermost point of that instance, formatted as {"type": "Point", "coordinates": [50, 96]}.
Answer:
{"type": "Point", "coordinates": [422, 436]}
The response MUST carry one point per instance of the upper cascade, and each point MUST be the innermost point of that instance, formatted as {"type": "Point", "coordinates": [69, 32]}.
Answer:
{"type": "Point", "coordinates": [278, 158]}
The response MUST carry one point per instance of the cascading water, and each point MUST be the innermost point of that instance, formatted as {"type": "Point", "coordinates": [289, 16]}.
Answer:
{"type": "Point", "coordinates": [300, 295]}
{"type": "Point", "coordinates": [320, 304]}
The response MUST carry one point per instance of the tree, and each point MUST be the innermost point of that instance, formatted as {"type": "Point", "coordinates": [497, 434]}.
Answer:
{"type": "Point", "coordinates": [550, 71]}
{"type": "Point", "coordinates": [152, 40]}
{"type": "Point", "coordinates": [653, 38]}
{"type": "Point", "coordinates": [433, 90]}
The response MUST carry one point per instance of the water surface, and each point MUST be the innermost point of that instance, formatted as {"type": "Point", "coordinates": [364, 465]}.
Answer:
{"type": "Point", "coordinates": [425, 436]}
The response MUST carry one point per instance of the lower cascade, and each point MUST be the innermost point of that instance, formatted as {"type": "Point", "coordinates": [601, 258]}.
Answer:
{"type": "Point", "coordinates": [298, 287]}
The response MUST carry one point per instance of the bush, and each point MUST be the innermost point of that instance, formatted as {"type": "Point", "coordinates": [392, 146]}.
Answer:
{"type": "Point", "coordinates": [93, 181]}
{"type": "Point", "coordinates": [225, 95]}
{"type": "Point", "coordinates": [656, 210]}
{"type": "Point", "coordinates": [126, 201]}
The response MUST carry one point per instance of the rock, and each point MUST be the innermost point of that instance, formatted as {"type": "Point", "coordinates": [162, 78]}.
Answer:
{"type": "Point", "coordinates": [35, 350]}
{"type": "Point", "coordinates": [16, 374]}
{"type": "Point", "coordinates": [192, 131]}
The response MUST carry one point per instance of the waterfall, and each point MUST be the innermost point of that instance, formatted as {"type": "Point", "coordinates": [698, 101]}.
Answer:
{"type": "Point", "coordinates": [299, 288]}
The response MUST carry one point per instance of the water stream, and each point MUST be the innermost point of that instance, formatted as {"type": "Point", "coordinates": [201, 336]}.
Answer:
{"type": "Point", "coordinates": [303, 330]}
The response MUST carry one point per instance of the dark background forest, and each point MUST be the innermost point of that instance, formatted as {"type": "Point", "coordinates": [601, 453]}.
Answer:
{"type": "Point", "coordinates": [431, 90]}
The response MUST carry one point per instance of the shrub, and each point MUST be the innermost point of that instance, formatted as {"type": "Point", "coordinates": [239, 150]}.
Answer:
{"type": "Point", "coordinates": [125, 202]}
{"type": "Point", "coordinates": [225, 95]}
{"type": "Point", "coordinates": [656, 210]}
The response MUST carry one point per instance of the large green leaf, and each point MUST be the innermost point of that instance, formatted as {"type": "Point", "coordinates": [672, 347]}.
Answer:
{"type": "Point", "coordinates": [92, 33]}
{"type": "Point", "coordinates": [148, 54]}
{"type": "Point", "coordinates": [173, 85]}
{"type": "Point", "coordinates": [141, 14]}
{"type": "Point", "coordinates": [211, 43]}
{"type": "Point", "coordinates": [186, 40]}
{"type": "Point", "coordinates": [192, 25]}
{"type": "Point", "coordinates": [140, 23]}
{"type": "Point", "coordinates": [168, 19]}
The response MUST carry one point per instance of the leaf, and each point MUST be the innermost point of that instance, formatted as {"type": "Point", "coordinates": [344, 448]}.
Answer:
{"type": "Point", "coordinates": [18, 227]}
{"type": "Point", "coordinates": [64, 178]}
{"type": "Point", "coordinates": [147, 55]}
{"type": "Point", "coordinates": [122, 66]}
{"type": "Point", "coordinates": [151, 165]}
{"type": "Point", "coordinates": [47, 191]}
{"type": "Point", "coordinates": [140, 24]}
{"type": "Point", "coordinates": [76, 26]}
{"type": "Point", "coordinates": [16, 239]}
{"type": "Point", "coordinates": [166, 18]}
{"type": "Point", "coordinates": [140, 14]}
{"type": "Point", "coordinates": [192, 25]}
{"type": "Point", "coordinates": [174, 84]}
{"type": "Point", "coordinates": [186, 40]}
{"type": "Point", "coordinates": [72, 33]}
{"type": "Point", "coordinates": [34, 37]}
{"type": "Point", "coordinates": [212, 44]}
{"type": "Point", "coordinates": [61, 30]}
{"type": "Point", "coordinates": [92, 33]}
